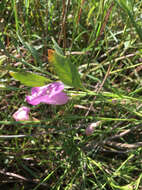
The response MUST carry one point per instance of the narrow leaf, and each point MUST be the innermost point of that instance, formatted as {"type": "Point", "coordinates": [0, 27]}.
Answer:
{"type": "Point", "coordinates": [31, 49]}
{"type": "Point", "coordinates": [57, 48]}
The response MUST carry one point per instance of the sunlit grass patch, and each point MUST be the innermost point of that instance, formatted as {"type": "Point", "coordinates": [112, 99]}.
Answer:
{"type": "Point", "coordinates": [102, 41]}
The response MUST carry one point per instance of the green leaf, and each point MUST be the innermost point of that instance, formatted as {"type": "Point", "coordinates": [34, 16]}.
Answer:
{"type": "Point", "coordinates": [57, 47]}
{"type": "Point", "coordinates": [31, 49]}
{"type": "Point", "coordinates": [30, 79]}
{"type": "Point", "coordinates": [65, 70]}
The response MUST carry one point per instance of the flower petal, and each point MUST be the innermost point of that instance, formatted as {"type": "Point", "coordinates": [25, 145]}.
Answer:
{"type": "Point", "coordinates": [55, 88]}
{"type": "Point", "coordinates": [39, 90]}
{"type": "Point", "coordinates": [49, 94]}
{"type": "Point", "coordinates": [57, 99]}
{"type": "Point", "coordinates": [21, 114]}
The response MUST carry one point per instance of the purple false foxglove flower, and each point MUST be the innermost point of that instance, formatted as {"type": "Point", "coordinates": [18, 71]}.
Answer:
{"type": "Point", "coordinates": [22, 114]}
{"type": "Point", "coordinates": [49, 94]}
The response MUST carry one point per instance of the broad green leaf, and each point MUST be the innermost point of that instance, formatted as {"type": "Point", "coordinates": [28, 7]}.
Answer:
{"type": "Point", "coordinates": [30, 79]}
{"type": "Point", "coordinates": [65, 70]}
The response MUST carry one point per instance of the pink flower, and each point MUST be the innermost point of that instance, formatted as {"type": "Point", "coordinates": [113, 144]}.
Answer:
{"type": "Point", "coordinates": [49, 94]}
{"type": "Point", "coordinates": [22, 114]}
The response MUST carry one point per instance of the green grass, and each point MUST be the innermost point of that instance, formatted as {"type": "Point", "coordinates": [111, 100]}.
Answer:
{"type": "Point", "coordinates": [105, 42]}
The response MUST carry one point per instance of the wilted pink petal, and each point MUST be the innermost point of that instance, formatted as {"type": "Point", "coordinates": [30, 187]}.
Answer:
{"type": "Point", "coordinates": [22, 114]}
{"type": "Point", "coordinates": [49, 94]}
{"type": "Point", "coordinates": [91, 128]}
